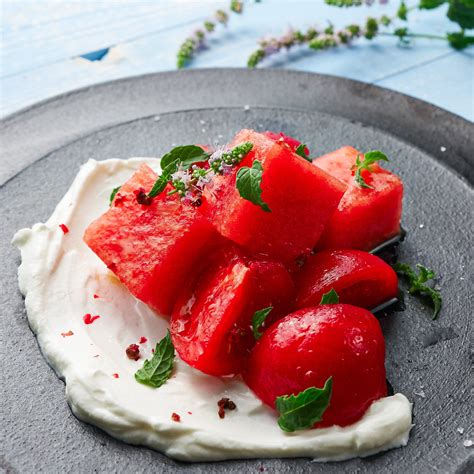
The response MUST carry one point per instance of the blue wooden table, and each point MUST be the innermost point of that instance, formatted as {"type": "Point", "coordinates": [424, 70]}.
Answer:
{"type": "Point", "coordinates": [44, 44]}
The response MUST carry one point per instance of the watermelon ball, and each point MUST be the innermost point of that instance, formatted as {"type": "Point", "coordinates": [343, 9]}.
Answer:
{"type": "Point", "coordinates": [364, 218]}
{"type": "Point", "coordinates": [211, 325]}
{"type": "Point", "coordinates": [293, 143]}
{"type": "Point", "coordinates": [301, 198]}
{"type": "Point", "coordinates": [307, 347]}
{"type": "Point", "coordinates": [359, 278]}
{"type": "Point", "coordinates": [153, 249]}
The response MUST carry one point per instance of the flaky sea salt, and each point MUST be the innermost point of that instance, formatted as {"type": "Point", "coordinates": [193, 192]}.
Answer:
{"type": "Point", "coordinates": [460, 430]}
{"type": "Point", "coordinates": [421, 394]}
{"type": "Point", "coordinates": [468, 443]}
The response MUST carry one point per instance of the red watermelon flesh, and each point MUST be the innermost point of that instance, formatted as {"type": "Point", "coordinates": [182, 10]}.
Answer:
{"type": "Point", "coordinates": [301, 197]}
{"type": "Point", "coordinates": [211, 323]}
{"type": "Point", "coordinates": [154, 250]}
{"type": "Point", "coordinates": [359, 278]}
{"type": "Point", "coordinates": [365, 217]}
{"type": "Point", "coordinates": [293, 143]}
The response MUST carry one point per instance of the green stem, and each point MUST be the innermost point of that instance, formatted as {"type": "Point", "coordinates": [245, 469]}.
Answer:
{"type": "Point", "coordinates": [416, 35]}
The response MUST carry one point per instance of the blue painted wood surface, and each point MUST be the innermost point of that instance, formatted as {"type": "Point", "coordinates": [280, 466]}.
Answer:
{"type": "Point", "coordinates": [43, 41]}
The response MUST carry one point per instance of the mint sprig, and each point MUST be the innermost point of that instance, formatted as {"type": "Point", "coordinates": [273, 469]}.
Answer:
{"type": "Point", "coordinates": [417, 284]}
{"type": "Point", "coordinates": [248, 183]}
{"type": "Point", "coordinates": [370, 158]}
{"type": "Point", "coordinates": [301, 151]}
{"type": "Point", "coordinates": [157, 371]}
{"type": "Point", "coordinates": [331, 297]}
{"type": "Point", "coordinates": [181, 156]}
{"type": "Point", "coordinates": [258, 319]}
{"type": "Point", "coordinates": [302, 411]}
{"type": "Point", "coordinates": [113, 194]}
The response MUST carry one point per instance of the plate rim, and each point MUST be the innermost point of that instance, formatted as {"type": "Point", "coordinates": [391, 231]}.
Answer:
{"type": "Point", "coordinates": [63, 95]}
{"type": "Point", "coordinates": [444, 126]}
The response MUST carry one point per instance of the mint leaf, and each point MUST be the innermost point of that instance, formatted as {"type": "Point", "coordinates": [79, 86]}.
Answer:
{"type": "Point", "coordinates": [430, 4]}
{"type": "Point", "coordinates": [331, 297]}
{"type": "Point", "coordinates": [302, 411]}
{"type": "Point", "coordinates": [459, 40]}
{"type": "Point", "coordinates": [301, 151]}
{"type": "Point", "coordinates": [248, 184]}
{"type": "Point", "coordinates": [462, 12]}
{"type": "Point", "coordinates": [370, 158]}
{"type": "Point", "coordinates": [236, 6]}
{"type": "Point", "coordinates": [113, 194]}
{"type": "Point", "coordinates": [258, 319]}
{"type": "Point", "coordinates": [417, 284]}
{"type": "Point", "coordinates": [157, 371]}
{"type": "Point", "coordinates": [163, 179]}
{"type": "Point", "coordinates": [186, 156]}
{"type": "Point", "coordinates": [402, 11]}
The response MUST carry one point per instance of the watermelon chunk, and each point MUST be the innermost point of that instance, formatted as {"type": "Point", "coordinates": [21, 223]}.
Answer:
{"type": "Point", "coordinates": [211, 325]}
{"type": "Point", "coordinates": [153, 249]}
{"type": "Point", "coordinates": [293, 143]}
{"type": "Point", "coordinates": [365, 217]}
{"type": "Point", "coordinates": [359, 278]}
{"type": "Point", "coordinates": [301, 197]}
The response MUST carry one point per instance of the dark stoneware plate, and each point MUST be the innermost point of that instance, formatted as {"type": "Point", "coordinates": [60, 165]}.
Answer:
{"type": "Point", "coordinates": [42, 148]}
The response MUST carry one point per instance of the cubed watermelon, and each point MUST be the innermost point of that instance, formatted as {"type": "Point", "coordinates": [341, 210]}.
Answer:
{"type": "Point", "coordinates": [153, 249]}
{"type": "Point", "coordinates": [301, 197]}
{"type": "Point", "coordinates": [365, 217]}
{"type": "Point", "coordinates": [211, 325]}
{"type": "Point", "coordinates": [292, 142]}
{"type": "Point", "coordinates": [359, 278]}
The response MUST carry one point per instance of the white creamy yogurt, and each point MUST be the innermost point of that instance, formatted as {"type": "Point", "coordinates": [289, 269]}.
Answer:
{"type": "Point", "coordinates": [59, 276]}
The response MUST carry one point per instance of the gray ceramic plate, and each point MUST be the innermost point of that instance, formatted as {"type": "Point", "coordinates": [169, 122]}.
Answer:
{"type": "Point", "coordinates": [43, 147]}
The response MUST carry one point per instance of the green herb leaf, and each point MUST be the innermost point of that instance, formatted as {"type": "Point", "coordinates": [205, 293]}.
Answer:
{"type": "Point", "coordinates": [255, 58]}
{"type": "Point", "coordinates": [163, 179]}
{"type": "Point", "coordinates": [301, 151]}
{"type": "Point", "coordinates": [113, 194]}
{"type": "Point", "coordinates": [331, 297]}
{"type": "Point", "coordinates": [370, 158]}
{"type": "Point", "coordinates": [157, 371]}
{"type": "Point", "coordinates": [459, 40]}
{"type": "Point", "coordinates": [248, 184]}
{"type": "Point", "coordinates": [402, 11]}
{"type": "Point", "coordinates": [462, 12]}
{"type": "Point", "coordinates": [302, 411]}
{"type": "Point", "coordinates": [417, 284]}
{"type": "Point", "coordinates": [258, 319]}
{"type": "Point", "coordinates": [186, 156]}
{"type": "Point", "coordinates": [236, 6]}
{"type": "Point", "coordinates": [430, 4]}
